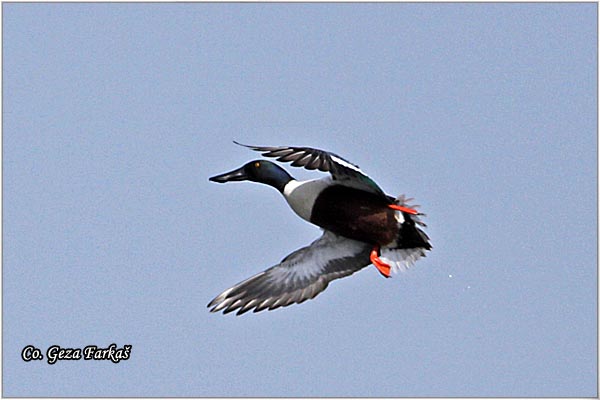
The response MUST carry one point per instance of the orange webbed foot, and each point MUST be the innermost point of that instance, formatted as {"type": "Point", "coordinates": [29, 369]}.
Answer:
{"type": "Point", "coordinates": [402, 208]}
{"type": "Point", "coordinates": [382, 267]}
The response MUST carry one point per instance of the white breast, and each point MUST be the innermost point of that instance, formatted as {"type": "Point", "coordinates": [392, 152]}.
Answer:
{"type": "Point", "coordinates": [301, 195]}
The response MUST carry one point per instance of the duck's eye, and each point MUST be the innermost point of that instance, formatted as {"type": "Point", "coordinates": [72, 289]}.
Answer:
{"type": "Point", "coordinates": [256, 164]}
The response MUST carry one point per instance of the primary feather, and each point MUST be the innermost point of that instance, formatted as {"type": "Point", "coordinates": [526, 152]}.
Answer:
{"type": "Point", "coordinates": [314, 159]}
{"type": "Point", "coordinates": [298, 277]}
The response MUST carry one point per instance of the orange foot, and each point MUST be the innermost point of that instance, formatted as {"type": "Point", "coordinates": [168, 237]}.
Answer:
{"type": "Point", "coordinates": [382, 267]}
{"type": "Point", "coordinates": [401, 208]}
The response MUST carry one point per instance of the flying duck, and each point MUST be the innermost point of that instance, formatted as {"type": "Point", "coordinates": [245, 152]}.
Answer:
{"type": "Point", "coordinates": [361, 225]}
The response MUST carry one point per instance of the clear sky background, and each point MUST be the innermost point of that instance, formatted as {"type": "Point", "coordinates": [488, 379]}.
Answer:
{"type": "Point", "coordinates": [116, 115]}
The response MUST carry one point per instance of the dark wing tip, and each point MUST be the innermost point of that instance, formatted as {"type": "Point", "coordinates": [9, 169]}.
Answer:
{"type": "Point", "coordinates": [265, 150]}
{"type": "Point", "coordinates": [307, 157]}
{"type": "Point", "coordinates": [245, 145]}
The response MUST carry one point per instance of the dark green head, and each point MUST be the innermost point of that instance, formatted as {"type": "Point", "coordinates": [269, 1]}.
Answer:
{"type": "Point", "coordinates": [261, 171]}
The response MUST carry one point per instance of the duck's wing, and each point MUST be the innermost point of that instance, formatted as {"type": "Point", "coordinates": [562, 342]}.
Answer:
{"type": "Point", "coordinates": [300, 276]}
{"type": "Point", "coordinates": [315, 159]}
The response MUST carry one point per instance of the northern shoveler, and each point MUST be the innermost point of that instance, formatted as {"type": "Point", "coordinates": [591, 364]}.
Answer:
{"type": "Point", "coordinates": [361, 224]}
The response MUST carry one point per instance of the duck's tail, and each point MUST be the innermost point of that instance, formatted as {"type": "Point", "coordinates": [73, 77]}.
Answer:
{"type": "Point", "coordinates": [411, 243]}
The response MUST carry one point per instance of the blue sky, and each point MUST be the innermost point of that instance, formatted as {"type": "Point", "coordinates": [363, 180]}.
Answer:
{"type": "Point", "coordinates": [115, 115]}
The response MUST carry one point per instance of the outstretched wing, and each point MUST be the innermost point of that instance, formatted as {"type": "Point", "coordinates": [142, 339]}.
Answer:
{"type": "Point", "coordinates": [311, 159]}
{"type": "Point", "coordinates": [300, 276]}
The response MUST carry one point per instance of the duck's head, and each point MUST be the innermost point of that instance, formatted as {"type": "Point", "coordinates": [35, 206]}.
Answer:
{"type": "Point", "coordinates": [261, 171]}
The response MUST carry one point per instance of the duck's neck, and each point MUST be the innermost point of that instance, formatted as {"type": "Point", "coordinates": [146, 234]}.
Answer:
{"type": "Point", "coordinates": [278, 179]}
